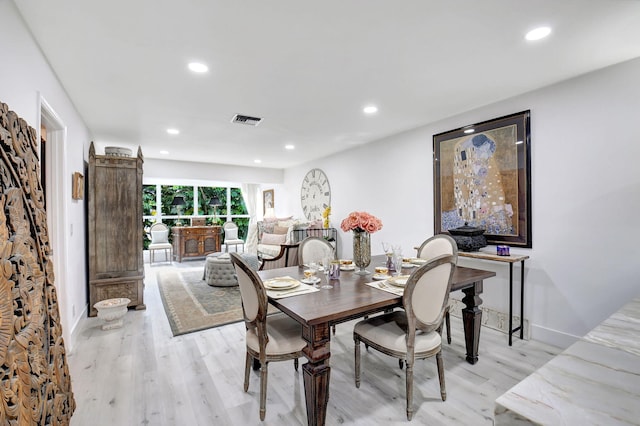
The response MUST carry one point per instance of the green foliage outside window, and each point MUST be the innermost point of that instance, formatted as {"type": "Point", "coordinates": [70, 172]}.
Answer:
{"type": "Point", "coordinates": [205, 194]}
{"type": "Point", "coordinates": [168, 192]}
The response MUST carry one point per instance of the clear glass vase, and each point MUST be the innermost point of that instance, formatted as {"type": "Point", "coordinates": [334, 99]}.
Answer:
{"type": "Point", "coordinates": [361, 251]}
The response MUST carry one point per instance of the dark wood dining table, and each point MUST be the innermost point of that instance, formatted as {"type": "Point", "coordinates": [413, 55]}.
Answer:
{"type": "Point", "coordinates": [351, 298]}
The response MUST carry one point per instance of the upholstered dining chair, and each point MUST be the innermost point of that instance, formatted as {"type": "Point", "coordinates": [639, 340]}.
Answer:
{"type": "Point", "coordinates": [288, 256]}
{"type": "Point", "coordinates": [315, 249]}
{"type": "Point", "coordinates": [412, 333]}
{"type": "Point", "coordinates": [160, 241]}
{"type": "Point", "coordinates": [231, 236]}
{"type": "Point", "coordinates": [274, 338]}
{"type": "Point", "coordinates": [437, 246]}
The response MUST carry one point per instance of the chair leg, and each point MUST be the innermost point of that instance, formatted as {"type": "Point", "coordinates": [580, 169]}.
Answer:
{"type": "Point", "coordinates": [357, 360]}
{"type": "Point", "coordinates": [447, 321]}
{"type": "Point", "coordinates": [409, 375]}
{"type": "Point", "coordinates": [443, 391]}
{"type": "Point", "coordinates": [247, 368]}
{"type": "Point", "coordinates": [263, 390]}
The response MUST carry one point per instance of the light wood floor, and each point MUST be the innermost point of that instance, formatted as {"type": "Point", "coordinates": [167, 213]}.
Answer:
{"type": "Point", "coordinates": [141, 375]}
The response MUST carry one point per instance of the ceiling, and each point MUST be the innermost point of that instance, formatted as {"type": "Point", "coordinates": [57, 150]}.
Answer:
{"type": "Point", "coordinates": [309, 68]}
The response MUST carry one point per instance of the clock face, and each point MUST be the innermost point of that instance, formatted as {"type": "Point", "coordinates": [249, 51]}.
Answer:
{"type": "Point", "coordinates": [315, 194]}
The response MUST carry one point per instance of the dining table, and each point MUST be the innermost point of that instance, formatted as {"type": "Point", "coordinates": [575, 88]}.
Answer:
{"type": "Point", "coordinates": [351, 297]}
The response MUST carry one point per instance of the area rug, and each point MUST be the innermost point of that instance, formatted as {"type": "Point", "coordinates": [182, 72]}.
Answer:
{"type": "Point", "coordinates": [193, 305]}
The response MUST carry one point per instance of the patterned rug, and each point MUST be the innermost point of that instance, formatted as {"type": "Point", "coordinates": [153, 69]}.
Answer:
{"type": "Point", "coordinates": [193, 305]}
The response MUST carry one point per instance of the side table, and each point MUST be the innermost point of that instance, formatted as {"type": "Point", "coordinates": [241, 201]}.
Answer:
{"type": "Point", "coordinates": [510, 260]}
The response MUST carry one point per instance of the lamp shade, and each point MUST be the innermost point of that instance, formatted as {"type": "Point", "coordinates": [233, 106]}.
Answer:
{"type": "Point", "coordinates": [178, 200]}
{"type": "Point", "coordinates": [214, 201]}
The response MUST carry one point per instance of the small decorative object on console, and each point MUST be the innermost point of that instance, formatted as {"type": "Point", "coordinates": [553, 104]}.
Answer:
{"type": "Point", "coordinates": [502, 250]}
{"type": "Point", "coordinates": [468, 238]}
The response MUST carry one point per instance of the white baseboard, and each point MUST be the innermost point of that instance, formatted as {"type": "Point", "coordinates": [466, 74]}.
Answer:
{"type": "Point", "coordinates": [491, 318]}
{"type": "Point", "coordinates": [553, 337]}
{"type": "Point", "coordinates": [76, 330]}
{"type": "Point", "coordinates": [500, 321]}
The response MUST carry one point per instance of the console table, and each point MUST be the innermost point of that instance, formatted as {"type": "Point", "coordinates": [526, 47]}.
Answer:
{"type": "Point", "coordinates": [195, 241]}
{"type": "Point", "coordinates": [510, 260]}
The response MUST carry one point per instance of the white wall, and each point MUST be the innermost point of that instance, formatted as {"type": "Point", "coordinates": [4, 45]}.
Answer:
{"type": "Point", "coordinates": [155, 169]}
{"type": "Point", "coordinates": [585, 198]}
{"type": "Point", "coordinates": [25, 76]}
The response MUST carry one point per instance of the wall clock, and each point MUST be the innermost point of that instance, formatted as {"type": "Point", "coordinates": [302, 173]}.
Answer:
{"type": "Point", "coordinates": [315, 194]}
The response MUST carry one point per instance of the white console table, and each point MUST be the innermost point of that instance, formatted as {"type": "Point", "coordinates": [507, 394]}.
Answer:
{"type": "Point", "coordinates": [514, 258]}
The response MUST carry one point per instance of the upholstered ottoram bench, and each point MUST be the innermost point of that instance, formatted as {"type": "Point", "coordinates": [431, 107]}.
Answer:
{"type": "Point", "coordinates": [219, 272]}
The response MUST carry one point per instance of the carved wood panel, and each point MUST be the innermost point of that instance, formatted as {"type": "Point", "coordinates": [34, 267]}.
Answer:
{"type": "Point", "coordinates": [35, 386]}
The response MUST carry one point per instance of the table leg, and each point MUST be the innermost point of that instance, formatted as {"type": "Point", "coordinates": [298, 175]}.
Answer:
{"type": "Point", "coordinates": [510, 302]}
{"type": "Point", "coordinates": [316, 372]}
{"type": "Point", "coordinates": [522, 300]}
{"type": "Point", "coordinates": [472, 319]}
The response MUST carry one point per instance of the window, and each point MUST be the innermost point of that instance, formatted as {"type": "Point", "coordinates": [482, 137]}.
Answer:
{"type": "Point", "coordinates": [157, 206]}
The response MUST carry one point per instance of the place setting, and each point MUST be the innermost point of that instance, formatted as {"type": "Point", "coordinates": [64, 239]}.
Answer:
{"type": "Point", "coordinates": [286, 286]}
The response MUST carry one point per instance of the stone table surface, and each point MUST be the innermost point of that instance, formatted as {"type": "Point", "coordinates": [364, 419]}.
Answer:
{"type": "Point", "coordinates": [596, 381]}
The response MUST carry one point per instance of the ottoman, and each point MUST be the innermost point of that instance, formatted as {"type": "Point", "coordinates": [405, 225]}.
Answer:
{"type": "Point", "coordinates": [219, 272]}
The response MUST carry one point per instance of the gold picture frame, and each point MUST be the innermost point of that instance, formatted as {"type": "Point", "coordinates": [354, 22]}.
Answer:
{"type": "Point", "coordinates": [268, 200]}
{"type": "Point", "coordinates": [77, 190]}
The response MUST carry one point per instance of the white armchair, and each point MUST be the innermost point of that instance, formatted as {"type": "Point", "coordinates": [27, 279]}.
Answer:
{"type": "Point", "coordinates": [231, 236]}
{"type": "Point", "coordinates": [160, 241]}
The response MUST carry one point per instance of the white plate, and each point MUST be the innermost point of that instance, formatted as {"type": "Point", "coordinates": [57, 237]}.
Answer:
{"type": "Point", "coordinates": [311, 280]}
{"type": "Point", "coordinates": [380, 276]}
{"type": "Point", "coordinates": [408, 265]}
{"type": "Point", "coordinates": [399, 280]}
{"type": "Point", "coordinates": [281, 284]}
{"type": "Point", "coordinates": [347, 267]}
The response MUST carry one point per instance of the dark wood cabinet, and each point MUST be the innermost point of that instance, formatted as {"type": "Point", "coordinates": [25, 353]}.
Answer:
{"type": "Point", "coordinates": [115, 231]}
{"type": "Point", "coordinates": [195, 241]}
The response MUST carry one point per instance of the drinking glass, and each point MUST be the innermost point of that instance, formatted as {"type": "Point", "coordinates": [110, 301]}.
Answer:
{"type": "Point", "coordinates": [386, 247]}
{"type": "Point", "coordinates": [325, 267]}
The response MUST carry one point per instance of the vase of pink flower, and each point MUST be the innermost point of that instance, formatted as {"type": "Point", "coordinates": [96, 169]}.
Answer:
{"type": "Point", "coordinates": [362, 224]}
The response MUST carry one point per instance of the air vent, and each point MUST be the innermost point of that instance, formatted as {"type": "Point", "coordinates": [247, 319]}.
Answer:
{"type": "Point", "coordinates": [246, 119]}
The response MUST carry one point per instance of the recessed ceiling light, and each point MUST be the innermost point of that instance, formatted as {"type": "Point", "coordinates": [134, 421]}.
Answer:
{"type": "Point", "coordinates": [257, 161]}
{"type": "Point", "coordinates": [173, 131]}
{"type": "Point", "coordinates": [198, 67]}
{"type": "Point", "coordinates": [163, 152]}
{"type": "Point", "coordinates": [538, 33]}
{"type": "Point", "coordinates": [469, 131]}
{"type": "Point", "coordinates": [289, 147]}
{"type": "Point", "coordinates": [370, 109]}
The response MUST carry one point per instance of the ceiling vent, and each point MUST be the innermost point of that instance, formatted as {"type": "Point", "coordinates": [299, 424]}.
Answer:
{"type": "Point", "coordinates": [246, 119]}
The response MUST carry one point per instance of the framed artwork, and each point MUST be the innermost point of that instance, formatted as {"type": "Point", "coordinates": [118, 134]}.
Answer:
{"type": "Point", "coordinates": [77, 191]}
{"type": "Point", "coordinates": [267, 200]}
{"type": "Point", "coordinates": [482, 177]}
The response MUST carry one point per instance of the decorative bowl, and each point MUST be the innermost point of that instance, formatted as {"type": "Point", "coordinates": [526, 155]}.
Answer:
{"type": "Point", "coordinates": [111, 312]}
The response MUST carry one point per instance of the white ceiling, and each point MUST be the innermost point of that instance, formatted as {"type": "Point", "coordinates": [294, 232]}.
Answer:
{"type": "Point", "coordinates": [308, 68]}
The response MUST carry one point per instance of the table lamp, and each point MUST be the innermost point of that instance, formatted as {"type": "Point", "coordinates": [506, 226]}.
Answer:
{"type": "Point", "coordinates": [178, 202]}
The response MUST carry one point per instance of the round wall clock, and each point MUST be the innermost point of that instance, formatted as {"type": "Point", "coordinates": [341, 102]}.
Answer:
{"type": "Point", "coordinates": [315, 194]}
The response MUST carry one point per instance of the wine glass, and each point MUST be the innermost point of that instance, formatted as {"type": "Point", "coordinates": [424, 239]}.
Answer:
{"type": "Point", "coordinates": [386, 247]}
{"type": "Point", "coordinates": [325, 267]}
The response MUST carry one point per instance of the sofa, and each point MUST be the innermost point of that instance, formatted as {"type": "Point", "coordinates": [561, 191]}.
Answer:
{"type": "Point", "coordinates": [273, 232]}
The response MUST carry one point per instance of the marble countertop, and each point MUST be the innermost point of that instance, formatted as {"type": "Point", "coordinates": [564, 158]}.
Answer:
{"type": "Point", "coordinates": [595, 381]}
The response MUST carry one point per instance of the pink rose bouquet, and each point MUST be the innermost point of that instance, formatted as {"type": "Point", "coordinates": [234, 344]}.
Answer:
{"type": "Point", "coordinates": [361, 221]}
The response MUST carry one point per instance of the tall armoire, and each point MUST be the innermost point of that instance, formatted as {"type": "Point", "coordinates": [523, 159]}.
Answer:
{"type": "Point", "coordinates": [116, 267]}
